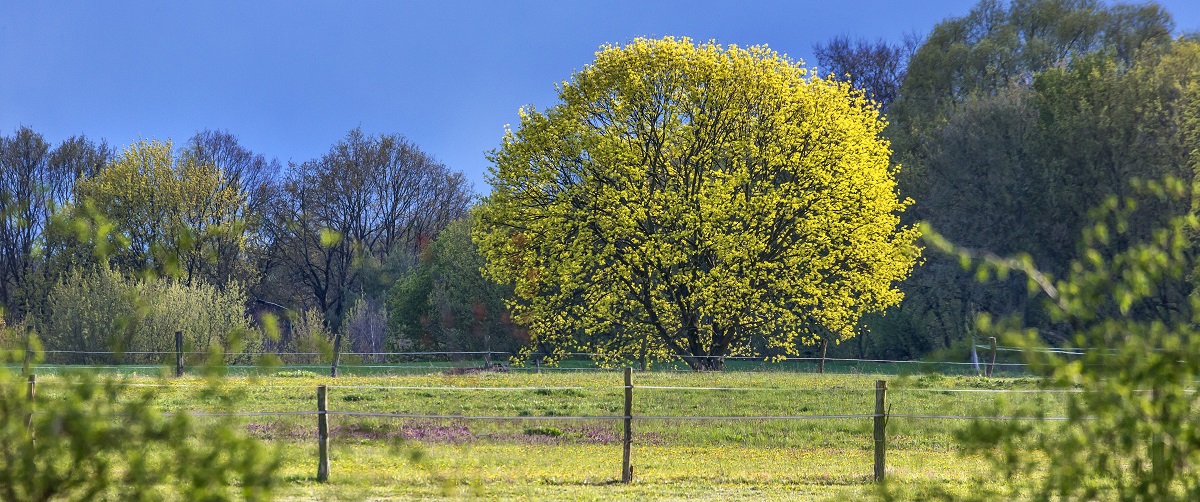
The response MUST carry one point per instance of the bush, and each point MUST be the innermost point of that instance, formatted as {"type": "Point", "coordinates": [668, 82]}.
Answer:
{"type": "Point", "coordinates": [211, 318]}
{"type": "Point", "coordinates": [365, 328]}
{"type": "Point", "coordinates": [310, 338]}
{"type": "Point", "coordinates": [88, 439]}
{"type": "Point", "coordinates": [543, 431]}
{"type": "Point", "coordinates": [97, 315]}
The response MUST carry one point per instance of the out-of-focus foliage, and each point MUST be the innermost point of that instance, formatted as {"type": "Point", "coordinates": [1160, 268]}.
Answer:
{"type": "Point", "coordinates": [1130, 301]}
{"type": "Point", "coordinates": [107, 257]}
{"type": "Point", "coordinates": [81, 438]}
{"type": "Point", "coordinates": [85, 439]}
{"type": "Point", "coordinates": [685, 199]}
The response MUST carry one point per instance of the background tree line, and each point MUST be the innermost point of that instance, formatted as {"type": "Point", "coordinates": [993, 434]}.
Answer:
{"type": "Point", "coordinates": [1012, 123]}
{"type": "Point", "coordinates": [211, 236]}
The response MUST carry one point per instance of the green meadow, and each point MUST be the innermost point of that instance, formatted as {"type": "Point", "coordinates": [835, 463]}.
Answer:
{"type": "Point", "coordinates": [524, 435]}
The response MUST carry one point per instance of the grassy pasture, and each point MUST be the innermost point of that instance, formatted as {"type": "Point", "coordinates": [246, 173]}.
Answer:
{"type": "Point", "coordinates": [536, 453]}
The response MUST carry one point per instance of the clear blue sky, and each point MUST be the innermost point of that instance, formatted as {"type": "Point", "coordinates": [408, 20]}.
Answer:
{"type": "Point", "coordinates": [290, 78]}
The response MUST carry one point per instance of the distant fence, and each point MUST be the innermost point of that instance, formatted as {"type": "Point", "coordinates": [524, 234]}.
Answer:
{"type": "Point", "coordinates": [441, 361]}
{"type": "Point", "coordinates": [877, 411]}
{"type": "Point", "coordinates": [832, 366]}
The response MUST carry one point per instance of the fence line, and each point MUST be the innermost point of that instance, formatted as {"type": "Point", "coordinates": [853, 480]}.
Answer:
{"type": "Point", "coordinates": [429, 416]}
{"type": "Point", "coordinates": [426, 416]}
{"type": "Point", "coordinates": [981, 417]}
{"type": "Point", "coordinates": [880, 417]}
{"type": "Point", "coordinates": [544, 367]}
{"type": "Point", "coordinates": [487, 355]}
{"type": "Point", "coordinates": [172, 352]}
{"type": "Point", "coordinates": [198, 385]}
{"type": "Point", "coordinates": [1074, 351]}
{"type": "Point", "coordinates": [367, 387]}
{"type": "Point", "coordinates": [993, 391]}
{"type": "Point", "coordinates": [773, 389]}
{"type": "Point", "coordinates": [242, 413]}
{"type": "Point", "coordinates": [677, 357]}
{"type": "Point", "coordinates": [1045, 350]}
{"type": "Point", "coordinates": [681, 418]}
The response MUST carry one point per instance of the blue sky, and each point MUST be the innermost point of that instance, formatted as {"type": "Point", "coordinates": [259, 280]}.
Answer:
{"type": "Point", "coordinates": [290, 78]}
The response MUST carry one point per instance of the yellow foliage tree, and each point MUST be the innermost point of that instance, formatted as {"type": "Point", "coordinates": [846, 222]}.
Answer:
{"type": "Point", "coordinates": [694, 200]}
{"type": "Point", "coordinates": [179, 217]}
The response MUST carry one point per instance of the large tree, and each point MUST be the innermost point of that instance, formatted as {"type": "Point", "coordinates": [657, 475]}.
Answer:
{"type": "Point", "coordinates": [684, 199]}
{"type": "Point", "coordinates": [175, 216]}
{"type": "Point", "coordinates": [341, 218]}
{"type": "Point", "coordinates": [875, 67]}
{"type": "Point", "coordinates": [34, 180]}
{"type": "Point", "coordinates": [445, 303]}
{"type": "Point", "coordinates": [254, 179]}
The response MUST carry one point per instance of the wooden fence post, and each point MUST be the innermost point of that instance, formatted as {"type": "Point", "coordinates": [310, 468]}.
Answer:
{"type": "Point", "coordinates": [178, 354]}
{"type": "Point", "coordinates": [322, 436]}
{"type": "Point", "coordinates": [824, 346]}
{"type": "Point", "coordinates": [880, 432]}
{"type": "Point", "coordinates": [32, 393]}
{"type": "Point", "coordinates": [992, 358]}
{"type": "Point", "coordinates": [487, 347]}
{"type": "Point", "coordinates": [26, 368]}
{"type": "Point", "coordinates": [626, 468]}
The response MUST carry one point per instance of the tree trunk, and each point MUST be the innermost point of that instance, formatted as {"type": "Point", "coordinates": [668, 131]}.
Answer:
{"type": "Point", "coordinates": [702, 362]}
{"type": "Point", "coordinates": [337, 355]}
{"type": "Point", "coordinates": [714, 363]}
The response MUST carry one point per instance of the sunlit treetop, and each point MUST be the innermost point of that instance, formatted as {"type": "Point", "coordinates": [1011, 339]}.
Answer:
{"type": "Point", "coordinates": [695, 199]}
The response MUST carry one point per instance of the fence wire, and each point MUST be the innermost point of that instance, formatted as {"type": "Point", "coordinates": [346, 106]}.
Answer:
{"type": "Point", "coordinates": [681, 418]}
{"type": "Point", "coordinates": [203, 384]}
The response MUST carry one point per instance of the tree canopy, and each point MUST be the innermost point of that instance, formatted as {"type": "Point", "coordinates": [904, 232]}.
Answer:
{"type": "Point", "coordinates": [444, 304]}
{"type": "Point", "coordinates": [692, 199]}
{"type": "Point", "coordinates": [1012, 123]}
{"type": "Point", "coordinates": [1131, 305]}
{"type": "Point", "coordinates": [159, 202]}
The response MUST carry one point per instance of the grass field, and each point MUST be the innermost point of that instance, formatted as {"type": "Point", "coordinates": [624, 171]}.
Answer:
{"type": "Point", "coordinates": [536, 453]}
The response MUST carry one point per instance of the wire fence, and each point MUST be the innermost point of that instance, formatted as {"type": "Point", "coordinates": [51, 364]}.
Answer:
{"type": "Point", "coordinates": [879, 415]}
{"type": "Point", "coordinates": [410, 362]}
{"type": "Point", "coordinates": [160, 363]}
{"type": "Point", "coordinates": [461, 362]}
{"type": "Point", "coordinates": [282, 413]}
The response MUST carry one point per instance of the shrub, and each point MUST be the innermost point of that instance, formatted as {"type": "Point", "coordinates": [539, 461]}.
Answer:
{"type": "Point", "coordinates": [310, 338]}
{"type": "Point", "coordinates": [89, 439]}
{"type": "Point", "coordinates": [99, 314]}
{"type": "Point", "coordinates": [543, 431]}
